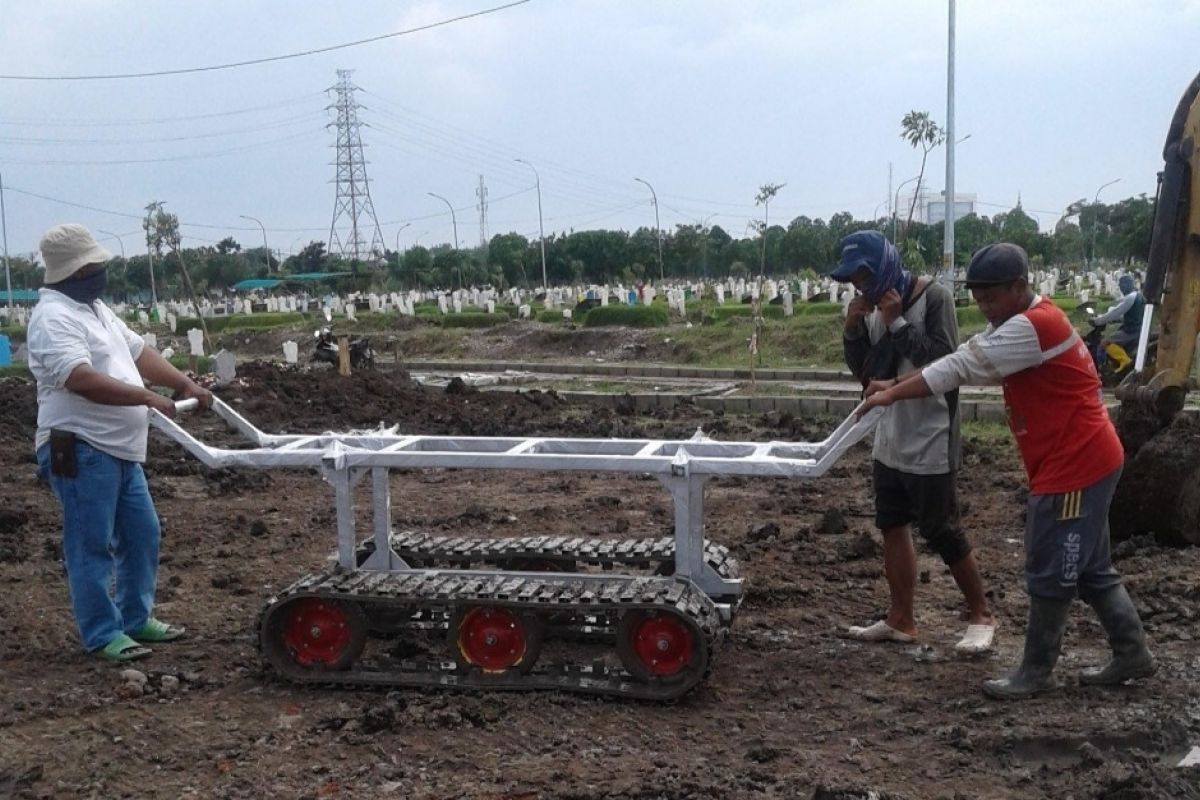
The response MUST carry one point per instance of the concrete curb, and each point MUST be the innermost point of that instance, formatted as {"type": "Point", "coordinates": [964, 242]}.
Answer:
{"type": "Point", "coordinates": [648, 402]}
{"type": "Point", "coordinates": [629, 370]}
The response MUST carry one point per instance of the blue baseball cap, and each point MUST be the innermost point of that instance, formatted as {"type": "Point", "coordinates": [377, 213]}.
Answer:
{"type": "Point", "coordinates": [861, 249]}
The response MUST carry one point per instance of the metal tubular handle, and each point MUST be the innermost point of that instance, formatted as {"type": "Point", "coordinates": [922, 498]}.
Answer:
{"type": "Point", "coordinates": [191, 404]}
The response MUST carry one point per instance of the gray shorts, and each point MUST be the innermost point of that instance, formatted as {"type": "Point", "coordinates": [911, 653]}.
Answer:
{"type": "Point", "coordinates": [1066, 541]}
{"type": "Point", "coordinates": [1124, 338]}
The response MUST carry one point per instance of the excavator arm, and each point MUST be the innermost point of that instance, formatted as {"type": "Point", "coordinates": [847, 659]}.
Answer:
{"type": "Point", "coordinates": [1172, 282]}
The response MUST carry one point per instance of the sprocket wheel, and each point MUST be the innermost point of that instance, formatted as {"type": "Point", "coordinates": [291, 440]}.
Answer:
{"type": "Point", "coordinates": [660, 646]}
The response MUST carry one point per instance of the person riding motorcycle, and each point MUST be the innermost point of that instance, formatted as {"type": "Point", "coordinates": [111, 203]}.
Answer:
{"type": "Point", "coordinates": [1129, 310]}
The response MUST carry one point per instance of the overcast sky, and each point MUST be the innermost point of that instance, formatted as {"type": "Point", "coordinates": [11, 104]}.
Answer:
{"type": "Point", "coordinates": [705, 99]}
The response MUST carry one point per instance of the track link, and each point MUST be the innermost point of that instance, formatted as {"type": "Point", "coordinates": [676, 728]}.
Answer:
{"type": "Point", "coordinates": [652, 553]}
{"type": "Point", "coordinates": [427, 599]}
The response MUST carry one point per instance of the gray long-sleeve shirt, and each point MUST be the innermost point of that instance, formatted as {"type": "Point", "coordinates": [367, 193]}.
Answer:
{"type": "Point", "coordinates": [920, 437]}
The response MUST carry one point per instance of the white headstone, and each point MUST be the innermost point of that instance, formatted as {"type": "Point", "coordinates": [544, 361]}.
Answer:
{"type": "Point", "coordinates": [566, 313]}
{"type": "Point", "coordinates": [491, 306]}
{"type": "Point", "coordinates": [143, 318]}
{"type": "Point", "coordinates": [150, 339]}
{"type": "Point", "coordinates": [442, 306]}
{"type": "Point", "coordinates": [248, 307]}
{"type": "Point", "coordinates": [787, 303]}
{"type": "Point", "coordinates": [224, 366]}
{"type": "Point", "coordinates": [604, 298]}
{"type": "Point", "coordinates": [720, 294]}
{"type": "Point", "coordinates": [168, 352]}
{"type": "Point", "coordinates": [290, 352]}
{"type": "Point", "coordinates": [458, 305]}
{"type": "Point", "coordinates": [196, 340]}
{"type": "Point", "coordinates": [350, 311]}
{"type": "Point", "coordinates": [523, 311]}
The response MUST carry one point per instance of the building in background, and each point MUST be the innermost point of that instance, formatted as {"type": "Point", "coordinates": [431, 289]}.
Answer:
{"type": "Point", "coordinates": [931, 206]}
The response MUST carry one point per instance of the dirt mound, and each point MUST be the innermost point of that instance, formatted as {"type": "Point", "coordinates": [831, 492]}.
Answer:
{"type": "Point", "coordinates": [278, 398]}
{"type": "Point", "coordinates": [18, 398]}
{"type": "Point", "coordinates": [1160, 490]}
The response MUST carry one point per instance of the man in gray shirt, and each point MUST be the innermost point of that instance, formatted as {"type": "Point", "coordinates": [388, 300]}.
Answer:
{"type": "Point", "coordinates": [896, 325]}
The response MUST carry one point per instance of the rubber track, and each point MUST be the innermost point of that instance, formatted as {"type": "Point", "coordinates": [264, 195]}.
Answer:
{"type": "Point", "coordinates": [440, 594]}
{"type": "Point", "coordinates": [604, 553]}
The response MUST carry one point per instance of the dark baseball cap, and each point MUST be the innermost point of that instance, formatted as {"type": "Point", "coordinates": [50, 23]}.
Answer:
{"type": "Point", "coordinates": [861, 249]}
{"type": "Point", "coordinates": [997, 264]}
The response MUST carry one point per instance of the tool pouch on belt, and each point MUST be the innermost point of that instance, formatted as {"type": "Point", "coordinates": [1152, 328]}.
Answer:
{"type": "Point", "coordinates": [62, 454]}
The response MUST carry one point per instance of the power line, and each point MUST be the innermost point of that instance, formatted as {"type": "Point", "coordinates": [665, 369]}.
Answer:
{"type": "Point", "coordinates": [77, 123]}
{"type": "Point", "coordinates": [283, 123]}
{"type": "Point", "coordinates": [192, 157]}
{"type": "Point", "coordinates": [251, 62]}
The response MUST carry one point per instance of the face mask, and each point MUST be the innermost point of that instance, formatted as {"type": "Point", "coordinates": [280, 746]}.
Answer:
{"type": "Point", "coordinates": [86, 289]}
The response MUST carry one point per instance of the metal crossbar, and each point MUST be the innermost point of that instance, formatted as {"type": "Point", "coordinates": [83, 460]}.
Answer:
{"type": "Point", "coordinates": [682, 466]}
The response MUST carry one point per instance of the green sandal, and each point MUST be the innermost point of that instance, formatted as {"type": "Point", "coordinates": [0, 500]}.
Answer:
{"type": "Point", "coordinates": [155, 630]}
{"type": "Point", "coordinates": [123, 649]}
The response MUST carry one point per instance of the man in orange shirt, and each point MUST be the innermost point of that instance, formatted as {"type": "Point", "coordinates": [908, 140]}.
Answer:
{"type": "Point", "coordinates": [1072, 456]}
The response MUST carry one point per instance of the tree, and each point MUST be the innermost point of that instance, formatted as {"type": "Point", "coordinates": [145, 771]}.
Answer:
{"type": "Point", "coordinates": [228, 245]}
{"type": "Point", "coordinates": [919, 130]}
{"type": "Point", "coordinates": [163, 229]}
{"type": "Point", "coordinates": [766, 193]}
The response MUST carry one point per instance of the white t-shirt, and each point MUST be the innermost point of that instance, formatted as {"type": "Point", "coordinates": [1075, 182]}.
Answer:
{"type": "Point", "coordinates": [64, 334]}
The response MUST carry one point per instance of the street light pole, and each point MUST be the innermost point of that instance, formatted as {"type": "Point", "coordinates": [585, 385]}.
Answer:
{"type": "Point", "coordinates": [454, 221]}
{"type": "Point", "coordinates": [541, 231]}
{"type": "Point", "coordinates": [121, 242]}
{"type": "Point", "coordinates": [402, 227]}
{"type": "Point", "coordinates": [896, 206]}
{"type": "Point", "coordinates": [1095, 218]}
{"type": "Point", "coordinates": [7, 270]}
{"type": "Point", "coordinates": [657, 227]}
{"type": "Point", "coordinates": [264, 232]}
{"type": "Point", "coordinates": [948, 236]}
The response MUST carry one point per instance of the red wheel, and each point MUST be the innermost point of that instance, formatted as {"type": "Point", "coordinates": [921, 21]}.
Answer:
{"type": "Point", "coordinates": [315, 632]}
{"type": "Point", "coordinates": [495, 639]}
{"type": "Point", "coordinates": [656, 645]}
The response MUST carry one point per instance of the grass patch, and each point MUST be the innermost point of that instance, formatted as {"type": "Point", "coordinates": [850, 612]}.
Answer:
{"type": "Point", "coordinates": [203, 364]}
{"type": "Point", "coordinates": [722, 313]}
{"type": "Point", "coordinates": [627, 316]}
{"type": "Point", "coordinates": [15, 371]}
{"type": "Point", "coordinates": [240, 322]}
{"type": "Point", "coordinates": [814, 340]}
{"type": "Point", "coordinates": [553, 315]}
{"type": "Point", "coordinates": [472, 319]}
{"type": "Point", "coordinates": [429, 341]}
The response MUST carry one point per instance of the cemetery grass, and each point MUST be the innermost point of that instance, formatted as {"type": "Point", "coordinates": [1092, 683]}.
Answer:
{"type": "Point", "coordinates": [792, 709]}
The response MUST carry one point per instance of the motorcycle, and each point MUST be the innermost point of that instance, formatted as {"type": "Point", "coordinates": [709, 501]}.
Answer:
{"type": "Point", "coordinates": [1110, 375]}
{"type": "Point", "coordinates": [362, 355]}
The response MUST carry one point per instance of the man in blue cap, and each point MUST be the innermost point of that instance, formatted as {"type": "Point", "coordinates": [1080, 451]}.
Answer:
{"type": "Point", "coordinates": [896, 325]}
{"type": "Point", "coordinates": [1130, 310]}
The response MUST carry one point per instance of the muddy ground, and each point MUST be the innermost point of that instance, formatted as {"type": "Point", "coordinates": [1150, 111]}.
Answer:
{"type": "Point", "coordinates": [791, 709]}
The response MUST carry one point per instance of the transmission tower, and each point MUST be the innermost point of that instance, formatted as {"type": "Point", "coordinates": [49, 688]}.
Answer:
{"type": "Point", "coordinates": [352, 207]}
{"type": "Point", "coordinates": [482, 193]}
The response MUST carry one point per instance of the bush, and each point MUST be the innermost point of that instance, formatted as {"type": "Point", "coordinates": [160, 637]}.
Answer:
{"type": "Point", "coordinates": [472, 319]}
{"type": "Point", "coordinates": [15, 333]}
{"type": "Point", "coordinates": [427, 310]}
{"type": "Point", "coordinates": [629, 316]}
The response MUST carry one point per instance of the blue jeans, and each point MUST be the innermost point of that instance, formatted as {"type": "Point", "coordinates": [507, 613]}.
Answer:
{"type": "Point", "coordinates": [110, 530]}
